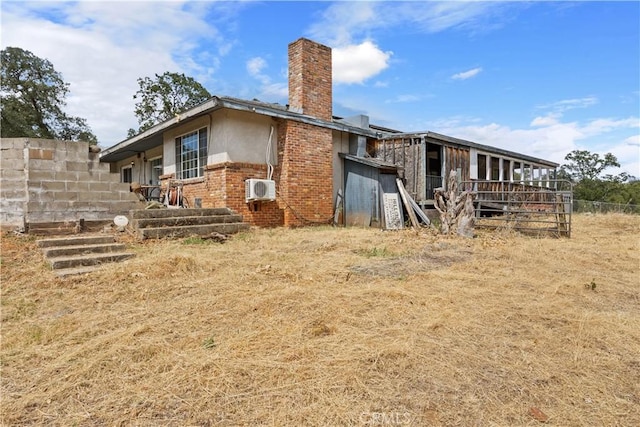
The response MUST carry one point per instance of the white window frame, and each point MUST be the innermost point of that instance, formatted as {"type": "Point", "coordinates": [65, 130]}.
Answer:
{"type": "Point", "coordinates": [191, 163]}
{"type": "Point", "coordinates": [151, 167]}
{"type": "Point", "coordinates": [122, 172]}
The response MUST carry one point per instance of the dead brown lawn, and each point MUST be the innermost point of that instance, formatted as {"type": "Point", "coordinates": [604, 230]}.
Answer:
{"type": "Point", "coordinates": [326, 326]}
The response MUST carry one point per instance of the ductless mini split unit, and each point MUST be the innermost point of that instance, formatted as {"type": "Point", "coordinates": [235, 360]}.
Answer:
{"type": "Point", "coordinates": [259, 189]}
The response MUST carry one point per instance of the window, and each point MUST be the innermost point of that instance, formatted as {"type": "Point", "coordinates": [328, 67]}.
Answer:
{"type": "Point", "coordinates": [191, 154]}
{"type": "Point", "coordinates": [127, 174]}
{"type": "Point", "coordinates": [495, 169]}
{"type": "Point", "coordinates": [156, 170]}
{"type": "Point", "coordinates": [482, 166]}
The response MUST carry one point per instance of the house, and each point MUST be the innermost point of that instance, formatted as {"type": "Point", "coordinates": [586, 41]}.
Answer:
{"type": "Point", "coordinates": [292, 165]}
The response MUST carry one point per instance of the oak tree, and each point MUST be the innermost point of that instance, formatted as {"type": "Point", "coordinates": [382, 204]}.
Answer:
{"type": "Point", "coordinates": [32, 100]}
{"type": "Point", "coordinates": [162, 97]}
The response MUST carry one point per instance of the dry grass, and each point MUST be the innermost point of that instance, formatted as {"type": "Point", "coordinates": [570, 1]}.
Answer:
{"type": "Point", "coordinates": [333, 327]}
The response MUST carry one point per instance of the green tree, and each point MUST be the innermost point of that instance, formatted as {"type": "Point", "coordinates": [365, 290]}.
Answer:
{"type": "Point", "coordinates": [32, 99]}
{"type": "Point", "coordinates": [586, 165]}
{"type": "Point", "coordinates": [164, 96]}
{"type": "Point", "coordinates": [585, 170]}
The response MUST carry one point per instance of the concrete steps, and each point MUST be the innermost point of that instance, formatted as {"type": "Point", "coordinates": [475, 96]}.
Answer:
{"type": "Point", "coordinates": [177, 223]}
{"type": "Point", "coordinates": [65, 228]}
{"type": "Point", "coordinates": [82, 254]}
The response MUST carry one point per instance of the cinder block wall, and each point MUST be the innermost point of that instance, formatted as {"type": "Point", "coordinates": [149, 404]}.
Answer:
{"type": "Point", "coordinates": [13, 182]}
{"type": "Point", "coordinates": [62, 181]}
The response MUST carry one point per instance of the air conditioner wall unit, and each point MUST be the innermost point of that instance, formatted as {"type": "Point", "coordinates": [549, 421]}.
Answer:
{"type": "Point", "coordinates": [259, 189]}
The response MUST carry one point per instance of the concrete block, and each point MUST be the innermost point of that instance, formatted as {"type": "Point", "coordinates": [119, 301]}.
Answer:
{"type": "Point", "coordinates": [62, 205]}
{"type": "Point", "coordinates": [76, 146]}
{"type": "Point", "coordinates": [12, 194]}
{"type": "Point", "coordinates": [36, 194]}
{"type": "Point", "coordinates": [120, 186]}
{"type": "Point", "coordinates": [59, 165]}
{"type": "Point", "coordinates": [10, 154]}
{"type": "Point", "coordinates": [110, 177]}
{"type": "Point", "coordinates": [77, 186]}
{"type": "Point", "coordinates": [44, 144]}
{"type": "Point", "coordinates": [54, 186]}
{"type": "Point", "coordinates": [99, 186]}
{"type": "Point", "coordinates": [37, 164]}
{"type": "Point", "coordinates": [40, 176]}
{"type": "Point", "coordinates": [66, 196]}
{"type": "Point", "coordinates": [13, 143]}
{"type": "Point", "coordinates": [10, 220]}
{"type": "Point", "coordinates": [9, 206]}
{"type": "Point", "coordinates": [77, 166]}
{"type": "Point", "coordinates": [40, 154]}
{"type": "Point", "coordinates": [124, 206]}
{"type": "Point", "coordinates": [89, 196]}
{"type": "Point", "coordinates": [67, 216]}
{"type": "Point", "coordinates": [39, 216]}
{"type": "Point", "coordinates": [66, 176]}
{"type": "Point", "coordinates": [14, 164]}
{"type": "Point", "coordinates": [12, 175]}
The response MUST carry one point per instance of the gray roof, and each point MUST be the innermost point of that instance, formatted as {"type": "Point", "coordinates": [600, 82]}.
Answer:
{"type": "Point", "coordinates": [152, 137]}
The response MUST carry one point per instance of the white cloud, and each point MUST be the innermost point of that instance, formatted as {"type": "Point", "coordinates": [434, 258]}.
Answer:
{"type": "Point", "coordinates": [102, 48]}
{"type": "Point", "coordinates": [256, 65]}
{"type": "Point", "coordinates": [342, 19]}
{"type": "Point", "coordinates": [551, 139]}
{"type": "Point", "coordinates": [633, 140]}
{"type": "Point", "coordinates": [548, 120]}
{"type": "Point", "coordinates": [600, 126]}
{"type": "Point", "coordinates": [342, 22]}
{"type": "Point", "coordinates": [356, 63]}
{"type": "Point", "coordinates": [268, 89]}
{"type": "Point", "coordinates": [570, 104]}
{"type": "Point", "coordinates": [467, 74]}
{"type": "Point", "coordinates": [400, 99]}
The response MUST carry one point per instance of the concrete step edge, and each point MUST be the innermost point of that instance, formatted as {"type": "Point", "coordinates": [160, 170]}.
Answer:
{"type": "Point", "coordinates": [170, 213]}
{"type": "Point", "coordinates": [75, 271]}
{"type": "Point", "coordinates": [188, 220]}
{"type": "Point", "coordinates": [88, 260]}
{"type": "Point", "coordinates": [73, 241]}
{"type": "Point", "coordinates": [191, 230]}
{"type": "Point", "coordinates": [83, 249]}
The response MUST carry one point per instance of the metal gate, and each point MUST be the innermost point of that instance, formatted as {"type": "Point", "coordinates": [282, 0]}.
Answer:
{"type": "Point", "coordinates": [542, 208]}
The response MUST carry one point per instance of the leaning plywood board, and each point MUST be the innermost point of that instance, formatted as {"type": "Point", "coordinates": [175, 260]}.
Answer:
{"type": "Point", "coordinates": [419, 211]}
{"type": "Point", "coordinates": [392, 212]}
{"type": "Point", "coordinates": [405, 200]}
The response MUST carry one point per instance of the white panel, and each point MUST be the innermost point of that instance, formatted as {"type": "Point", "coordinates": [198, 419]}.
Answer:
{"type": "Point", "coordinates": [473, 167]}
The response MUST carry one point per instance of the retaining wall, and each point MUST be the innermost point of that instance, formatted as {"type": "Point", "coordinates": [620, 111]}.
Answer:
{"type": "Point", "coordinates": [44, 181]}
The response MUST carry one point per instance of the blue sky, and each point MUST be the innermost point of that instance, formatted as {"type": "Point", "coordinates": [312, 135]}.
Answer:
{"type": "Point", "coordinates": [541, 78]}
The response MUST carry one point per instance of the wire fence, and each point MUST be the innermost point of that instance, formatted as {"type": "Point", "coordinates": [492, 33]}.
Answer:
{"type": "Point", "coordinates": [584, 206]}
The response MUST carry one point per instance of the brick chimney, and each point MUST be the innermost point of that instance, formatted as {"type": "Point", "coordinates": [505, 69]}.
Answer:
{"type": "Point", "coordinates": [310, 83]}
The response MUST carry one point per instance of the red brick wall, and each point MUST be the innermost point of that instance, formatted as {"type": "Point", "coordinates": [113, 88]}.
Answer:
{"type": "Point", "coordinates": [310, 80]}
{"type": "Point", "coordinates": [306, 174]}
{"type": "Point", "coordinates": [223, 186]}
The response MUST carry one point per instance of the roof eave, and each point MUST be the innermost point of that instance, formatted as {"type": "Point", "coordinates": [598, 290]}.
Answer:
{"type": "Point", "coordinates": [209, 105]}
{"type": "Point", "coordinates": [470, 144]}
